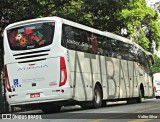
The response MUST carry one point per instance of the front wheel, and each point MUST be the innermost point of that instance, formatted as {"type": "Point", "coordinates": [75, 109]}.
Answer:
{"type": "Point", "coordinates": [97, 101]}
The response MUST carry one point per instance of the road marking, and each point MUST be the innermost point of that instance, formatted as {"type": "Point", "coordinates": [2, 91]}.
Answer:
{"type": "Point", "coordinates": [136, 120]}
{"type": "Point", "coordinates": [140, 120]}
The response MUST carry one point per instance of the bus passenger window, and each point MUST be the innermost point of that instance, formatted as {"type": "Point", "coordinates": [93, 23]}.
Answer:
{"type": "Point", "coordinates": [94, 44]}
{"type": "Point", "coordinates": [116, 49]}
{"type": "Point", "coordinates": [68, 37]}
{"type": "Point", "coordinates": [141, 57]}
{"type": "Point", "coordinates": [76, 39]}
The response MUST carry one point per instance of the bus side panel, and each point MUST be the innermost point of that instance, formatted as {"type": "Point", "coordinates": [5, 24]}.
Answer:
{"type": "Point", "coordinates": [119, 78]}
{"type": "Point", "coordinates": [150, 85]}
{"type": "Point", "coordinates": [142, 78]}
{"type": "Point", "coordinates": [146, 82]}
{"type": "Point", "coordinates": [103, 62]}
{"type": "Point", "coordinates": [104, 72]}
{"type": "Point", "coordinates": [124, 77]}
{"type": "Point", "coordinates": [135, 81]}
{"type": "Point", "coordinates": [114, 83]}
{"type": "Point", "coordinates": [80, 76]}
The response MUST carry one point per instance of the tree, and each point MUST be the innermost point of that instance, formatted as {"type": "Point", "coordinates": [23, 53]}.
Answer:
{"type": "Point", "coordinates": [156, 67]}
{"type": "Point", "coordinates": [141, 22]}
{"type": "Point", "coordinates": [14, 11]}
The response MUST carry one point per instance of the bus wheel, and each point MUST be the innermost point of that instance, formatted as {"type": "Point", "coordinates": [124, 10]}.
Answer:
{"type": "Point", "coordinates": [97, 101]}
{"type": "Point", "coordinates": [140, 98]}
{"type": "Point", "coordinates": [86, 105]}
{"type": "Point", "coordinates": [131, 100]}
{"type": "Point", "coordinates": [104, 103]}
{"type": "Point", "coordinates": [51, 108]}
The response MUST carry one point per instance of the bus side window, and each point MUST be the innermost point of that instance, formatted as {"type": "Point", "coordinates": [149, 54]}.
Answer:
{"type": "Point", "coordinates": [133, 50]}
{"type": "Point", "coordinates": [76, 39]}
{"type": "Point", "coordinates": [68, 39]}
{"type": "Point", "coordinates": [94, 43]}
{"type": "Point", "coordinates": [125, 51]}
{"type": "Point", "coordinates": [81, 40]}
{"type": "Point", "coordinates": [116, 49]}
{"type": "Point", "coordinates": [113, 42]}
{"type": "Point", "coordinates": [64, 41]}
{"type": "Point", "coordinates": [129, 52]}
{"type": "Point", "coordinates": [102, 48]}
{"type": "Point", "coordinates": [106, 46]}
{"type": "Point", "coordinates": [148, 64]}
{"type": "Point", "coordinates": [99, 45]}
{"type": "Point", "coordinates": [141, 58]}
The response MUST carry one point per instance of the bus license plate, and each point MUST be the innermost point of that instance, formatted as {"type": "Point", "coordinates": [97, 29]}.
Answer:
{"type": "Point", "coordinates": [34, 95]}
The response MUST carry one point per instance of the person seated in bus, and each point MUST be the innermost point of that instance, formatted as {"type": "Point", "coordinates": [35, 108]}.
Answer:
{"type": "Point", "coordinates": [94, 44]}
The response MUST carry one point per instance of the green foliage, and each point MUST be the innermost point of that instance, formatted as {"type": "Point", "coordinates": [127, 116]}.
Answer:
{"type": "Point", "coordinates": [156, 67]}
{"type": "Point", "coordinates": [137, 16]}
{"type": "Point", "coordinates": [143, 40]}
{"type": "Point", "coordinates": [154, 27]}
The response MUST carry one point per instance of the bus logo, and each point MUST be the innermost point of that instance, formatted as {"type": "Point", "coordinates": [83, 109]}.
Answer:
{"type": "Point", "coordinates": [32, 67]}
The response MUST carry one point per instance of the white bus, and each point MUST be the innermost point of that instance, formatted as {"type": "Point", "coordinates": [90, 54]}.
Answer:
{"type": "Point", "coordinates": [52, 62]}
{"type": "Point", "coordinates": [156, 83]}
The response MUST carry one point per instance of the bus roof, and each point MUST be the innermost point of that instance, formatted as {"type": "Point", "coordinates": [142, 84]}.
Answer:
{"type": "Point", "coordinates": [37, 20]}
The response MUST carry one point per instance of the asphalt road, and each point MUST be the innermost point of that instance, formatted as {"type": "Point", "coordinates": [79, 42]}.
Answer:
{"type": "Point", "coordinates": [149, 110]}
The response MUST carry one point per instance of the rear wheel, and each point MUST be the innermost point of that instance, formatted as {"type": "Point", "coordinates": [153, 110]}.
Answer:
{"type": "Point", "coordinates": [97, 101]}
{"type": "Point", "coordinates": [131, 100]}
{"type": "Point", "coordinates": [104, 103]}
{"type": "Point", "coordinates": [86, 105]}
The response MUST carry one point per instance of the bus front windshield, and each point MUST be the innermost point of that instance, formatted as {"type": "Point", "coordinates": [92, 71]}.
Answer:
{"type": "Point", "coordinates": [31, 36]}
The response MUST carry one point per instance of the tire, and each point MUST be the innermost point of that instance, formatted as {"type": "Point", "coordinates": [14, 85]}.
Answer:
{"type": "Point", "coordinates": [51, 109]}
{"type": "Point", "coordinates": [140, 98]}
{"type": "Point", "coordinates": [86, 105]}
{"type": "Point", "coordinates": [131, 100]}
{"type": "Point", "coordinates": [104, 103]}
{"type": "Point", "coordinates": [97, 100]}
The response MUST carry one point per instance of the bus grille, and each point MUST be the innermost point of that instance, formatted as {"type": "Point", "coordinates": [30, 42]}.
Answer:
{"type": "Point", "coordinates": [31, 56]}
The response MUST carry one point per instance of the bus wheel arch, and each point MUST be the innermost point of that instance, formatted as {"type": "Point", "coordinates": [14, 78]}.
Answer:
{"type": "Point", "coordinates": [98, 95]}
